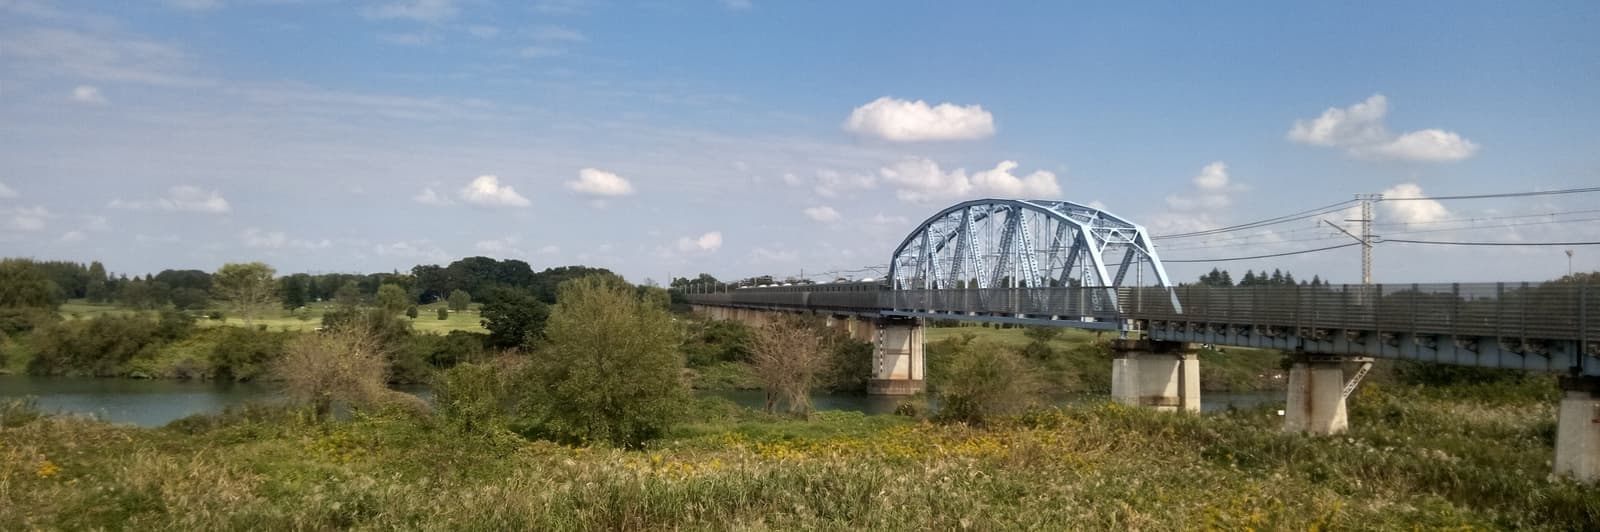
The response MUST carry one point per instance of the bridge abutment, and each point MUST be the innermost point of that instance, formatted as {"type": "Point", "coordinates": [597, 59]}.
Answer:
{"type": "Point", "coordinates": [1578, 429]}
{"type": "Point", "coordinates": [897, 357]}
{"type": "Point", "coordinates": [1156, 374]}
{"type": "Point", "coordinates": [1316, 402]}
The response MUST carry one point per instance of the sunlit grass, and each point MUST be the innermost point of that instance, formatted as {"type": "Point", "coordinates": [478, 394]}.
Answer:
{"type": "Point", "coordinates": [306, 319]}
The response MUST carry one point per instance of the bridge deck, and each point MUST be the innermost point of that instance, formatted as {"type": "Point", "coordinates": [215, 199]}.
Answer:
{"type": "Point", "coordinates": [1538, 326]}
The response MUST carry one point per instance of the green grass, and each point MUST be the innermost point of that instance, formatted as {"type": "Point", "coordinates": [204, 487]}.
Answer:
{"type": "Point", "coordinates": [306, 319]}
{"type": "Point", "coordinates": [1411, 462]}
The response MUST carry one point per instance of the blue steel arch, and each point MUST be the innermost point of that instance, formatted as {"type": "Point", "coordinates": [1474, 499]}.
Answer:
{"type": "Point", "coordinates": [991, 243]}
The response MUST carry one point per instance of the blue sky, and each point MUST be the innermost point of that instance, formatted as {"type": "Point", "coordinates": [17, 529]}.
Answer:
{"type": "Point", "coordinates": [741, 138]}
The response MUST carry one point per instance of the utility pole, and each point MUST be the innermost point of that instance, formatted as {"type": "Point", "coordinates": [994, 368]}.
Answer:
{"type": "Point", "coordinates": [1366, 233]}
{"type": "Point", "coordinates": [1569, 263]}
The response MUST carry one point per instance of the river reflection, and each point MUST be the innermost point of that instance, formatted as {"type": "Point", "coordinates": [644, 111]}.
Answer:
{"type": "Point", "coordinates": [153, 403]}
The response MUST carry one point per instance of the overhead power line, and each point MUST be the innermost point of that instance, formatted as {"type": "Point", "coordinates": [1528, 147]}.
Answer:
{"type": "Point", "coordinates": [1259, 223]}
{"type": "Point", "coordinates": [1499, 195]}
{"type": "Point", "coordinates": [1268, 256]}
{"type": "Point", "coordinates": [1453, 243]}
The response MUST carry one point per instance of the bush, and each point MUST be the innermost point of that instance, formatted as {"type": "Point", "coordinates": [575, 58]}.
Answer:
{"type": "Point", "coordinates": [474, 397]}
{"type": "Point", "coordinates": [610, 371]}
{"type": "Point", "coordinates": [173, 324]}
{"type": "Point", "coordinates": [986, 381]}
{"type": "Point", "coordinates": [15, 320]}
{"type": "Point", "coordinates": [17, 412]}
{"type": "Point", "coordinates": [242, 354]}
{"type": "Point", "coordinates": [411, 312]}
{"type": "Point", "coordinates": [101, 347]}
{"type": "Point", "coordinates": [444, 313]}
{"type": "Point", "coordinates": [340, 366]}
{"type": "Point", "coordinates": [849, 365]}
{"type": "Point", "coordinates": [710, 342]}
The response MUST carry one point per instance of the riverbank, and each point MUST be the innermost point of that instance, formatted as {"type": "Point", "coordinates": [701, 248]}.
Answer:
{"type": "Point", "coordinates": [1412, 461]}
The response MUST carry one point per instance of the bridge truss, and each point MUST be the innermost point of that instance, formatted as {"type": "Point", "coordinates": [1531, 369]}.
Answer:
{"type": "Point", "coordinates": [1000, 243]}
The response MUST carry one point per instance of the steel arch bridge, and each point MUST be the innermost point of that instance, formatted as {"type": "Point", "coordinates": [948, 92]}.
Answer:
{"type": "Point", "coordinates": [1002, 243]}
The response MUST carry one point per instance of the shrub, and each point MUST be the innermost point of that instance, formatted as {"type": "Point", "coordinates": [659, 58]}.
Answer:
{"type": "Point", "coordinates": [174, 324]}
{"type": "Point", "coordinates": [16, 412]}
{"type": "Point", "coordinates": [788, 356]}
{"type": "Point", "coordinates": [242, 354]}
{"type": "Point", "coordinates": [986, 381]}
{"type": "Point", "coordinates": [100, 347]}
{"type": "Point", "coordinates": [474, 397]}
{"type": "Point", "coordinates": [14, 320]}
{"type": "Point", "coordinates": [849, 365]}
{"type": "Point", "coordinates": [444, 313]}
{"type": "Point", "coordinates": [411, 312]}
{"type": "Point", "coordinates": [710, 342]}
{"type": "Point", "coordinates": [339, 366]}
{"type": "Point", "coordinates": [610, 371]}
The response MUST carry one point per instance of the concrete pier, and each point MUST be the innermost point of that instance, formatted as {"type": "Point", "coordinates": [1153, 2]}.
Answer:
{"type": "Point", "coordinates": [1160, 375]}
{"type": "Point", "coordinates": [1316, 395]}
{"type": "Point", "coordinates": [1578, 429]}
{"type": "Point", "coordinates": [897, 357]}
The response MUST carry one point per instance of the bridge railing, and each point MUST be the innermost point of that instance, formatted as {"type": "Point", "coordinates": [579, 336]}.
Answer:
{"type": "Point", "coordinates": [1044, 302]}
{"type": "Point", "coordinates": [1565, 311]}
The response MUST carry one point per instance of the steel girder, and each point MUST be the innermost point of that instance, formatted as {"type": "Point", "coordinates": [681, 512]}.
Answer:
{"type": "Point", "coordinates": [987, 243]}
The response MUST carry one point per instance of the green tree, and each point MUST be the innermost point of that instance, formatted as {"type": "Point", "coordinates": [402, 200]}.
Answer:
{"type": "Point", "coordinates": [391, 299]}
{"type": "Point", "coordinates": [294, 291]}
{"type": "Point", "coordinates": [460, 300]}
{"type": "Point", "coordinates": [444, 313]}
{"type": "Point", "coordinates": [348, 296]}
{"type": "Point", "coordinates": [610, 370]}
{"type": "Point", "coordinates": [411, 312]}
{"type": "Point", "coordinates": [96, 290]}
{"type": "Point", "coordinates": [23, 285]}
{"type": "Point", "coordinates": [247, 287]}
{"type": "Point", "coordinates": [514, 317]}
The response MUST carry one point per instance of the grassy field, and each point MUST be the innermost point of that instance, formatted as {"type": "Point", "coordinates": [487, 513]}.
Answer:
{"type": "Point", "coordinates": [1410, 463]}
{"type": "Point", "coordinates": [309, 318]}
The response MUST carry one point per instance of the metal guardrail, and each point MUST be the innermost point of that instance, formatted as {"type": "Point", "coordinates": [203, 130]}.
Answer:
{"type": "Point", "coordinates": [1552, 311]}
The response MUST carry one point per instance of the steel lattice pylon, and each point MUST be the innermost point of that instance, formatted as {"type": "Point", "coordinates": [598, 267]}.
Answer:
{"type": "Point", "coordinates": [1001, 243]}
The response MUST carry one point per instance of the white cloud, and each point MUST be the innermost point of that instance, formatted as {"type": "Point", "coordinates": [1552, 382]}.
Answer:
{"type": "Point", "coordinates": [707, 242]}
{"type": "Point", "coordinates": [1429, 145]}
{"type": "Point", "coordinates": [487, 190]}
{"type": "Point", "coordinates": [483, 32]}
{"type": "Point", "coordinates": [557, 33]}
{"type": "Point", "coordinates": [899, 120]}
{"type": "Point", "coordinates": [423, 250]}
{"type": "Point", "coordinates": [550, 250]}
{"type": "Point", "coordinates": [823, 213]}
{"type": "Point", "coordinates": [88, 94]}
{"type": "Point", "coordinates": [738, 4]}
{"type": "Point", "coordinates": [1213, 190]}
{"type": "Point", "coordinates": [26, 218]}
{"type": "Point", "coordinates": [167, 239]}
{"type": "Point", "coordinates": [256, 238]}
{"type": "Point", "coordinates": [7, 192]}
{"type": "Point", "coordinates": [98, 57]}
{"type": "Point", "coordinates": [72, 236]}
{"type": "Point", "coordinates": [418, 10]}
{"type": "Point", "coordinates": [596, 182]}
{"type": "Point", "coordinates": [1360, 131]}
{"type": "Point", "coordinates": [830, 183]}
{"type": "Point", "coordinates": [429, 197]}
{"type": "Point", "coordinates": [1411, 211]}
{"type": "Point", "coordinates": [921, 180]}
{"type": "Point", "coordinates": [501, 247]}
{"type": "Point", "coordinates": [881, 219]}
{"type": "Point", "coordinates": [182, 198]}
{"type": "Point", "coordinates": [1213, 176]}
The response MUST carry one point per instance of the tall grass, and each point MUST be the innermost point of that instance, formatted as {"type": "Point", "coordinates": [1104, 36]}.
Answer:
{"type": "Point", "coordinates": [1410, 462]}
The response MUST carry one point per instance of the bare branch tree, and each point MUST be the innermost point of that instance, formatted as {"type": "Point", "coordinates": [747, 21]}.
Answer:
{"type": "Point", "coordinates": [788, 355]}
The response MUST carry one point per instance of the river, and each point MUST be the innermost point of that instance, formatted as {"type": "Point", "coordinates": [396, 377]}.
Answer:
{"type": "Point", "coordinates": [153, 403]}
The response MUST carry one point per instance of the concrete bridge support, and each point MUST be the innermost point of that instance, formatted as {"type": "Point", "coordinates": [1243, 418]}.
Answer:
{"type": "Point", "coordinates": [1578, 429]}
{"type": "Point", "coordinates": [1316, 395]}
{"type": "Point", "coordinates": [1161, 375]}
{"type": "Point", "coordinates": [897, 359]}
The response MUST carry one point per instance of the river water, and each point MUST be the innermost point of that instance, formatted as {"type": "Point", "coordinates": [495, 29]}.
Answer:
{"type": "Point", "coordinates": [152, 403]}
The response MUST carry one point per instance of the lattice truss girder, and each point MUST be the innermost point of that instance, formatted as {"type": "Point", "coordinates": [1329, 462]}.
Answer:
{"type": "Point", "coordinates": [994, 243]}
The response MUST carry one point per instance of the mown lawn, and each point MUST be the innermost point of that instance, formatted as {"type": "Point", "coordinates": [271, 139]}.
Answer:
{"type": "Point", "coordinates": [1411, 462]}
{"type": "Point", "coordinates": [309, 318]}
